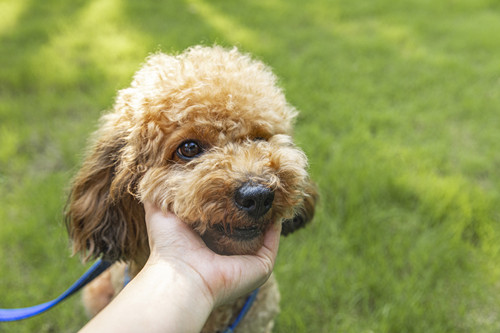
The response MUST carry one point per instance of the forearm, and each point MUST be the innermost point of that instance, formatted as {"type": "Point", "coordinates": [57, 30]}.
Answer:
{"type": "Point", "coordinates": [159, 299]}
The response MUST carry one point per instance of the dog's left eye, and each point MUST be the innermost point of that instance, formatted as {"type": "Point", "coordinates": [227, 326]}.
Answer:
{"type": "Point", "coordinates": [189, 149]}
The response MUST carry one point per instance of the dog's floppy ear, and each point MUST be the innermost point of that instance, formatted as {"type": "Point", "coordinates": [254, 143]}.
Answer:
{"type": "Point", "coordinates": [103, 217]}
{"type": "Point", "coordinates": [304, 213]}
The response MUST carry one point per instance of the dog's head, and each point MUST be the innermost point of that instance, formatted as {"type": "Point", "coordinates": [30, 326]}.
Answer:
{"type": "Point", "coordinates": [206, 135]}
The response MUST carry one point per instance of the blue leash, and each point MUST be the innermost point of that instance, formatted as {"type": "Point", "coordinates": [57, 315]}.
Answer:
{"type": "Point", "coordinates": [94, 271]}
{"type": "Point", "coordinates": [243, 312]}
{"type": "Point", "coordinates": [23, 313]}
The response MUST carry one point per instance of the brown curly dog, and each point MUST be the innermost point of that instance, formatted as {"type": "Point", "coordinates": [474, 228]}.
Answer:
{"type": "Point", "coordinates": [205, 135]}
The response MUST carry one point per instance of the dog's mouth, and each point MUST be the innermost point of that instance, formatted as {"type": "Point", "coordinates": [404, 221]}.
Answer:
{"type": "Point", "coordinates": [227, 239]}
{"type": "Point", "coordinates": [244, 233]}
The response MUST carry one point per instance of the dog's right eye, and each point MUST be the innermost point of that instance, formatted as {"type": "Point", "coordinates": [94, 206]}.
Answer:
{"type": "Point", "coordinates": [189, 150]}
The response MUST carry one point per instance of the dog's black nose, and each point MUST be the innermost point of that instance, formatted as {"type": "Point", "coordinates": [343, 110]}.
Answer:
{"type": "Point", "coordinates": [255, 199]}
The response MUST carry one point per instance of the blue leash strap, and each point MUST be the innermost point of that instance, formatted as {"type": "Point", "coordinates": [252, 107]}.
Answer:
{"type": "Point", "coordinates": [243, 312]}
{"type": "Point", "coordinates": [22, 313]}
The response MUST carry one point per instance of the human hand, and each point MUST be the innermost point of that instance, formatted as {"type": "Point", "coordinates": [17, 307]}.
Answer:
{"type": "Point", "coordinates": [219, 278]}
{"type": "Point", "coordinates": [183, 280]}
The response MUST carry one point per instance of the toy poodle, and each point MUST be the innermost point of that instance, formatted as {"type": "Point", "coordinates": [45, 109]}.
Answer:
{"type": "Point", "coordinates": [205, 134]}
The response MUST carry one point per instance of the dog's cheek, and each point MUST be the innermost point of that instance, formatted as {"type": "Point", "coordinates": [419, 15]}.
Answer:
{"type": "Point", "coordinates": [300, 194]}
{"type": "Point", "coordinates": [154, 187]}
{"type": "Point", "coordinates": [304, 213]}
{"type": "Point", "coordinates": [290, 166]}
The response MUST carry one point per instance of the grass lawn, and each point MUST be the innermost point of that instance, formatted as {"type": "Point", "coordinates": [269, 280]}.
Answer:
{"type": "Point", "coordinates": [400, 117]}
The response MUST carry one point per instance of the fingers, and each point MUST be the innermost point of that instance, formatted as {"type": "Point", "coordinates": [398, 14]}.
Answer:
{"type": "Point", "coordinates": [151, 210]}
{"type": "Point", "coordinates": [159, 223]}
{"type": "Point", "coordinates": [157, 219]}
{"type": "Point", "coordinates": [149, 207]}
{"type": "Point", "coordinates": [257, 268]}
{"type": "Point", "coordinates": [269, 251]}
{"type": "Point", "coordinates": [167, 233]}
{"type": "Point", "coordinates": [272, 239]}
{"type": "Point", "coordinates": [160, 227]}
{"type": "Point", "coordinates": [228, 276]}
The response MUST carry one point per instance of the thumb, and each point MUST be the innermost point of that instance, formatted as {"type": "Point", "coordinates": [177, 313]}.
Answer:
{"type": "Point", "coordinates": [166, 230]}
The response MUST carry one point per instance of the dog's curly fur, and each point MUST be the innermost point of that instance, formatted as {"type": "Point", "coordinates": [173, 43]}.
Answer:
{"type": "Point", "coordinates": [190, 132]}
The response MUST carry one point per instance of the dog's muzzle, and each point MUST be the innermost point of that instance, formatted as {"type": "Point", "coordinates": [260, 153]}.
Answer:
{"type": "Point", "coordinates": [254, 199]}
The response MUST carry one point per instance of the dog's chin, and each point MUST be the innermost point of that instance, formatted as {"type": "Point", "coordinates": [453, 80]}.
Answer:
{"type": "Point", "coordinates": [232, 240]}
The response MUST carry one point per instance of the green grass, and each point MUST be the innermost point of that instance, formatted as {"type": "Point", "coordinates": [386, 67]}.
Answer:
{"type": "Point", "coordinates": [399, 116]}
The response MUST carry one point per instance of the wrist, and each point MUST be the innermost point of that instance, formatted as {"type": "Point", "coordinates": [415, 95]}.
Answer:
{"type": "Point", "coordinates": [161, 298]}
{"type": "Point", "coordinates": [190, 287]}
{"type": "Point", "coordinates": [175, 297]}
